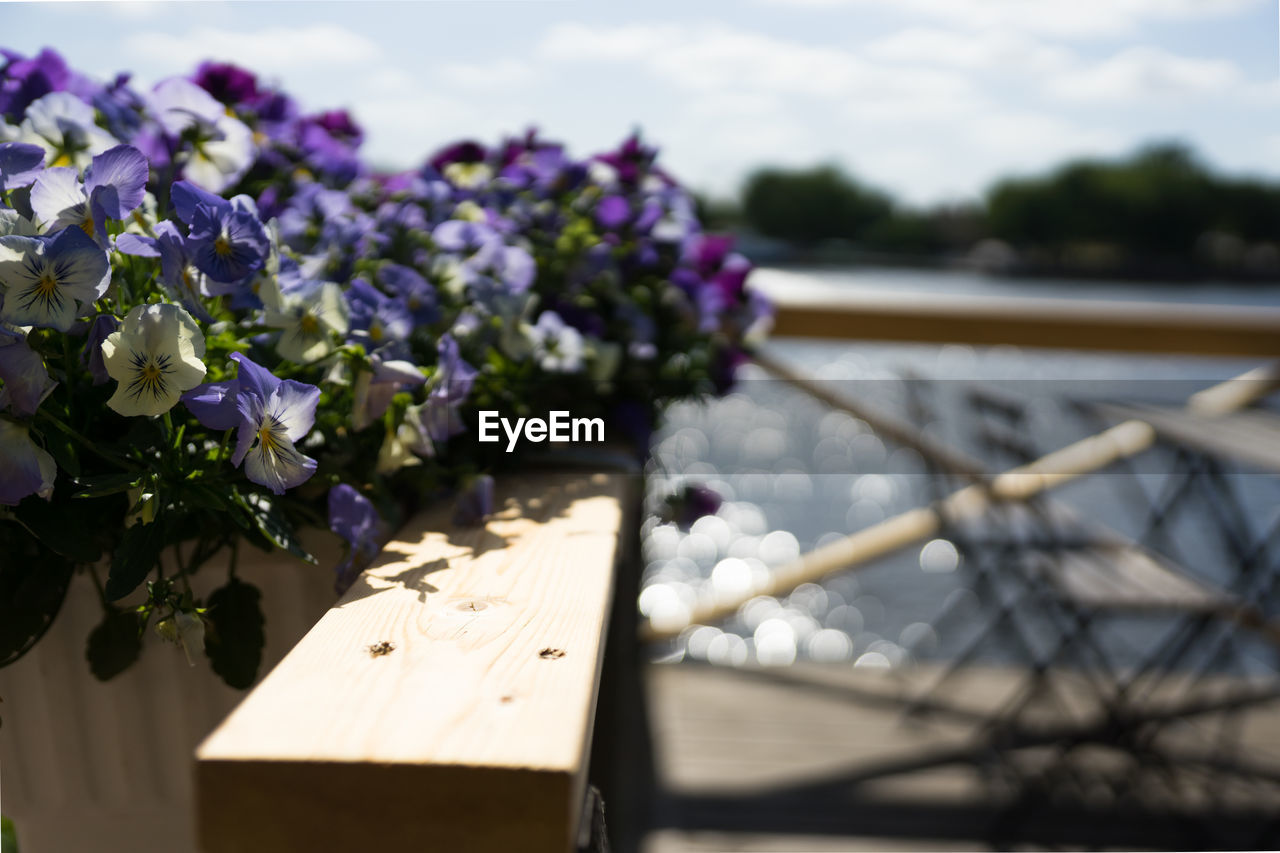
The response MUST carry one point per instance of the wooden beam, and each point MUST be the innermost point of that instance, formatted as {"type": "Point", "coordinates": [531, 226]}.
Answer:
{"type": "Point", "coordinates": [469, 729]}
{"type": "Point", "coordinates": [1252, 331]}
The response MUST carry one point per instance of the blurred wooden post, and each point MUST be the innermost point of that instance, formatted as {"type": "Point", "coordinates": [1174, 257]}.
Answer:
{"type": "Point", "coordinates": [445, 703]}
{"type": "Point", "coordinates": [1239, 330]}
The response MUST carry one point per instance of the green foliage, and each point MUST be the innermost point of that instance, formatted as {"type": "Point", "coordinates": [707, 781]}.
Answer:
{"type": "Point", "coordinates": [1158, 204]}
{"type": "Point", "coordinates": [236, 633]}
{"type": "Point", "coordinates": [811, 205]}
{"type": "Point", "coordinates": [33, 584]}
{"type": "Point", "coordinates": [8, 836]}
{"type": "Point", "coordinates": [1160, 201]}
{"type": "Point", "coordinates": [134, 558]}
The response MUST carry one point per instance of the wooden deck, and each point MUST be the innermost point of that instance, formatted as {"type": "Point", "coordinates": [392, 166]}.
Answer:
{"type": "Point", "coordinates": [822, 758]}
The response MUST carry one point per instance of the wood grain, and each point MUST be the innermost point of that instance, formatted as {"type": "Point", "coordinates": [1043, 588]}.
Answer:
{"type": "Point", "coordinates": [471, 733]}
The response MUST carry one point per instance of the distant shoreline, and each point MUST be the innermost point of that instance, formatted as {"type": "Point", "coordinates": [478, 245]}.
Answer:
{"type": "Point", "coordinates": [1137, 271]}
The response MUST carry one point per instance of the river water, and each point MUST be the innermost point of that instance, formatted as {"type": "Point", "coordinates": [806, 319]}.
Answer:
{"type": "Point", "coordinates": [795, 474]}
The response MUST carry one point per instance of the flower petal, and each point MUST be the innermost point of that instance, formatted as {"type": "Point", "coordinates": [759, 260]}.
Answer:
{"type": "Point", "coordinates": [278, 468]}
{"type": "Point", "coordinates": [25, 469]}
{"type": "Point", "coordinates": [58, 199]}
{"type": "Point", "coordinates": [116, 180]}
{"type": "Point", "coordinates": [19, 164]}
{"type": "Point", "coordinates": [81, 265]}
{"type": "Point", "coordinates": [186, 197]}
{"type": "Point", "coordinates": [214, 404]}
{"type": "Point", "coordinates": [293, 405]}
{"type": "Point", "coordinates": [254, 378]}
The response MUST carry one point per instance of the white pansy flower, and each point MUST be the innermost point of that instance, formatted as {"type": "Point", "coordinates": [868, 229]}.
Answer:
{"type": "Point", "coordinates": [46, 280]}
{"type": "Point", "coordinates": [468, 175]}
{"type": "Point", "coordinates": [65, 127]}
{"type": "Point", "coordinates": [155, 356]}
{"type": "Point", "coordinates": [309, 321]}
{"type": "Point", "coordinates": [222, 145]}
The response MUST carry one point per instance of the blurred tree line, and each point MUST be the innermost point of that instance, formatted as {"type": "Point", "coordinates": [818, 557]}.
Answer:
{"type": "Point", "coordinates": [1159, 211]}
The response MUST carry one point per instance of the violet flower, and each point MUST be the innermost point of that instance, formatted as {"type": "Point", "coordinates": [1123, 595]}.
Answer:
{"type": "Point", "coordinates": [114, 185]}
{"type": "Point", "coordinates": [229, 84]}
{"type": "Point", "coordinates": [435, 420]}
{"type": "Point", "coordinates": [353, 517]}
{"type": "Point", "coordinates": [274, 414]}
{"type": "Point", "coordinates": [25, 469]}
{"type": "Point", "coordinates": [270, 413]}
{"type": "Point", "coordinates": [227, 241]}
{"type": "Point", "coordinates": [474, 502]}
{"type": "Point", "coordinates": [689, 504]}
{"type": "Point", "coordinates": [23, 375]}
{"type": "Point", "coordinates": [20, 164]}
{"type": "Point", "coordinates": [419, 297]}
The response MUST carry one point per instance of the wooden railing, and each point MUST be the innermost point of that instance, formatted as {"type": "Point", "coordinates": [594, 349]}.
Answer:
{"type": "Point", "coordinates": [1025, 322]}
{"type": "Point", "coordinates": [446, 702]}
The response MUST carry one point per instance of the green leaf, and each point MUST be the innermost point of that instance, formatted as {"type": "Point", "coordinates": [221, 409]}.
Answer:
{"type": "Point", "coordinates": [106, 484]}
{"type": "Point", "coordinates": [135, 557]}
{"type": "Point", "coordinates": [114, 645]}
{"type": "Point", "coordinates": [8, 836]}
{"type": "Point", "coordinates": [236, 636]}
{"type": "Point", "coordinates": [272, 525]}
{"type": "Point", "coordinates": [63, 450]}
{"type": "Point", "coordinates": [63, 535]}
{"type": "Point", "coordinates": [33, 584]}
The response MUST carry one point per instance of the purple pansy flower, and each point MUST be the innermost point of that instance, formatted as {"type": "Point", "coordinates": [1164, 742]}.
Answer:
{"type": "Point", "coordinates": [178, 272]}
{"type": "Point", "coordinates": [613, 211]}
{"type": "Point", "coordinates": [20, 164]}
{"type": "Point", "coordinates": [450, 387]}
{"type": "Point", "coordinates": [475, 241]}
{"type": "Point", "coordinates": [25, 469]}
{"type": "Point", "coordinates": [114, 185]}
{"type": "Point", "coordinates": [229, 84]}
{"type": "Point", "coordinates": [271, 415]}
{"type": "Point", "coordinates": [418, 296]}
{"type": "Point", "coordinates": [474, 502]}
{"type": "Point", "coordinates": [25, 80]}
{"type": "Point", "coordinates": [227, 240]}
{"type": "Point", "coordinates": [353, 517]}
{"type": "Point", "coordinates": [23, 375]}
{"type": "Point", "coordinates": [376, 319]}
{"type": "Point", "coordinates": [690, 504]}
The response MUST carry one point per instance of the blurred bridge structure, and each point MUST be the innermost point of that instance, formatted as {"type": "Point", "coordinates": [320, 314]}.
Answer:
{"type": "Point", "coordinates": [1103, 671]}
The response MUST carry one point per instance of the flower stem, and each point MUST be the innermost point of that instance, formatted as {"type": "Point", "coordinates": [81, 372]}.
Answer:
{"type": "Point", "coordinates": [89, 445]}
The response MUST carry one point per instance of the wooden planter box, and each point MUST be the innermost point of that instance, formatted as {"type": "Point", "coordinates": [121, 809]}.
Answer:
{"type": "Point", "coordinates": [88, 766]}
{"type": "Point", "coordinates": [446, 702]}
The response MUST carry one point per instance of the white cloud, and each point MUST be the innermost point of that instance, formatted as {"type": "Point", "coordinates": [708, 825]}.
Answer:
{"type": "Point", "coordinates": [1072, 18]}
{"type": "Point", "coordinates": [1147, 73]}
{"type": "Point", "coordinates": [567, 41]}
{"type": "Point", "coordinates": [270, 51]}
{"type": "Point", "coordinates": [505, 74]}
{"type": "Point", "coordinates": [987, 51]}
{"type": "Point", "coordinates": [723, 60]}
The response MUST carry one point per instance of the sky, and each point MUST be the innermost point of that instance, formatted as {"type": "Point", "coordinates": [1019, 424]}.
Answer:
{"type": "Point", "coordinates": [932, 100]}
